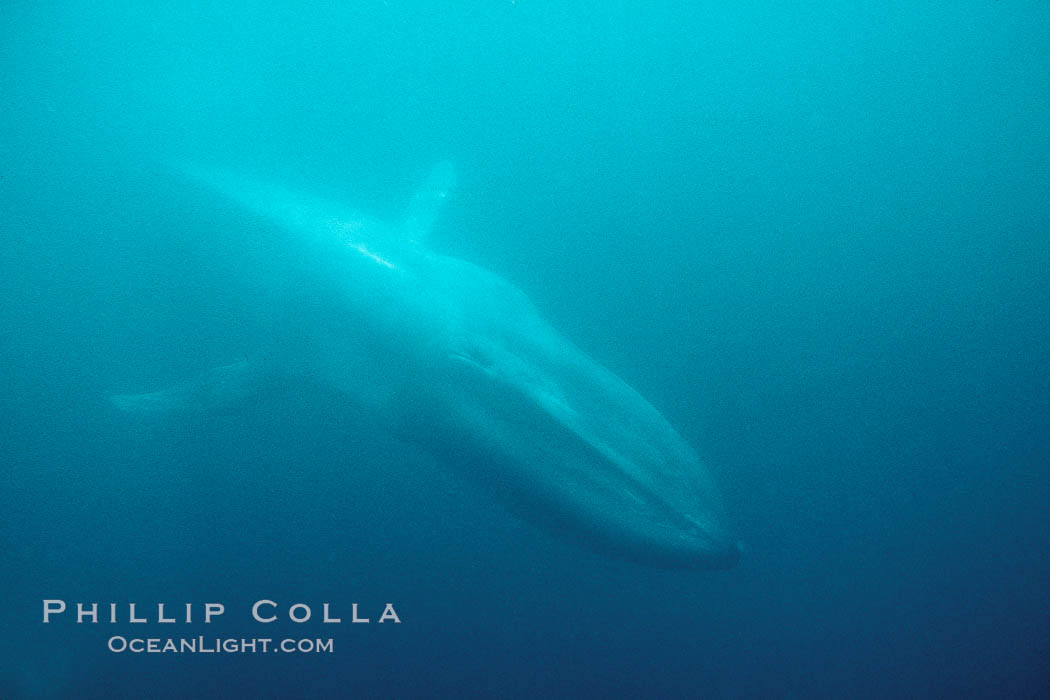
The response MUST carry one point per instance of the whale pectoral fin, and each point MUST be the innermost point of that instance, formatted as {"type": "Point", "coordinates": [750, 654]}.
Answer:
{"type": "Point", "coordinates": [426, 203]}
{"type": "Point", "coordinates": [215, 389]}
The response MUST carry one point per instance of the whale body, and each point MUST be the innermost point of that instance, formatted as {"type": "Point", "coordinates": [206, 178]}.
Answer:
{"type": "Point", "coordinates": [458, 360]}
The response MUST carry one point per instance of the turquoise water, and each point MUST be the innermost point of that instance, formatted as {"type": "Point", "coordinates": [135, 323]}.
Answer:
{"type": "Point", "coordinates": [816, 237]}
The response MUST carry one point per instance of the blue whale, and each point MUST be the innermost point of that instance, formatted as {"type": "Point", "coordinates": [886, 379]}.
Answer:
{"type": "Point", "coordinates": [456, 359]}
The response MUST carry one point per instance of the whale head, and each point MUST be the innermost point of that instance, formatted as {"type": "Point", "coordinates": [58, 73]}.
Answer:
{"type": "Point", "coordinates": [565, 442]}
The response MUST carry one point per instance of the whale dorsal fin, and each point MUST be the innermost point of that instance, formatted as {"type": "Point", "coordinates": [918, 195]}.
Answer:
{"type": "Point", "coordinates": [426, 203]}
{"type": "Point", "coordinates": [324, 223]}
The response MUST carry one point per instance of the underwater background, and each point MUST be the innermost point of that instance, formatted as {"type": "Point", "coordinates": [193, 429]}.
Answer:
{"type": "Point", "coordinates": [816, 236]}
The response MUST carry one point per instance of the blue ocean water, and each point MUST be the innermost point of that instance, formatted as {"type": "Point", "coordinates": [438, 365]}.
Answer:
{"type": "Point", "coordinates": [815, 236]}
